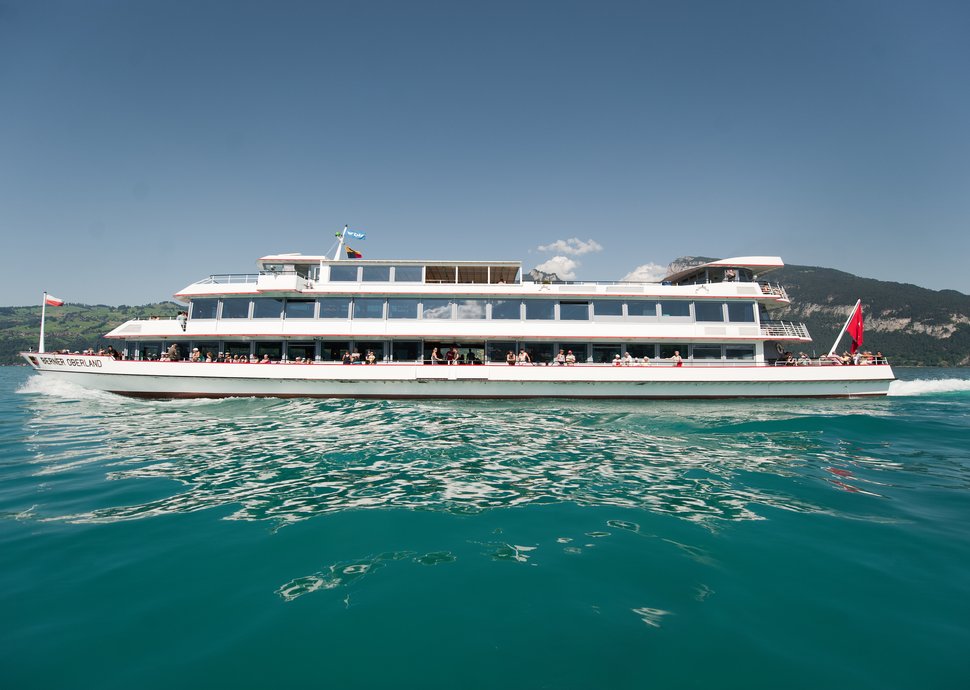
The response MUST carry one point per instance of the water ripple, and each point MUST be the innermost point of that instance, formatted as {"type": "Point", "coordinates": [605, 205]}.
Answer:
{"type": "Point", "coordinates": [285, 461]}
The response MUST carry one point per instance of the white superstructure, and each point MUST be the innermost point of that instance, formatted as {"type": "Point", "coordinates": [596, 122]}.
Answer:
{"type": "Point", "coordinates": [706, 331]}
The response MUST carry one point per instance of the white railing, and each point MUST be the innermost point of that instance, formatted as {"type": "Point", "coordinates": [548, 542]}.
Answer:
{"type": "Point", "coordinates": [225, 278]}
{"type": "Point", "coordinates": [774, 290]}
{"type": "Point", "coordinates": [784, 329]}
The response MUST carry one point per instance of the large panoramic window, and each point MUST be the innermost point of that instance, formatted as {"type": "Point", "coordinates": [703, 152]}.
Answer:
{"type": "Point", "coordinates": [539, 309]}
{"type": "Point", "coordinates": [506, 309]}
{"type": "Point", "coordinates": [204, 308]}
{"type": "Point", "coordinates": [677, 308]}
{"type": "Point", "coordinates": [343, 274]}
{"type": "Point", "coordinates": [608, 307]}
{"type": "Point", "coordinates": [574, 311]}
{"type": "Point", "coordinates": [407, 274]}
{"type": "Point", "coordinates": [334, 307]}
{"type": "Point", "coordinates": [267, 308]}
{"type": "Point", "coordinates": [402, 308]}
{"type": "Point", "coordinates": [300, 308]}
{"type": "Point", "coordinates": [436, 309]}
{"type": "Point", "coordinates": [471, 309]}
{"type": "Point", "coordinates": [368, 308]}
{"type": "Point", "coordinates": [741, 312]}
{"type": "Point", "coordinates": [377, 274]}
{"type": "Point", "coordinates": [706, 352]}
{"type": "Point", "coordinates": [708, 311]}
{"type": "Point", "coordinates": [739, 352]}
{"type": "Point", "coordinates": [235, 308]}
{"type": "Point", "coordinates": [643, 308]}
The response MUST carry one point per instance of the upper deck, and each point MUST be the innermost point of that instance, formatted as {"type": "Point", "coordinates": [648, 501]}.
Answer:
{"type": "Point", "coordinates": [305, 275]}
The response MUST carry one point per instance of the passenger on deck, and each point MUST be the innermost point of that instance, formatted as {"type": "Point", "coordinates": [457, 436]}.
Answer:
{"type": "Point", "coordinates": [510, 358]}
{"type": "Point", "coordinates": [617, 361]}
{"type": "Point", "coordinates": [436, 357]}
{"type": "Point", "coordinates": [570, 358]}
{"type": "Point", "coordinates": [803, 360]}
{"type": "Point", "coordinates": [371, 357]}
{"type": "Point", "coordinates": [196, 355]}
{"type": "Point", "coordinates": [561, 358]}
{"type": "Point", "coordinates": [677, 359]}
{"type": "Point", "coordinates": [452, 356]}
{"type": "Point", "coordinates": [173, 353]}
{"type": "Point", "coordinates": [524, 357]}
{"type": "Point", "coordinates": [346, 358]}
{"type": "Point", "coordinates": [182, 318]}
{"type": "Point", "coordinates": [627, 359]}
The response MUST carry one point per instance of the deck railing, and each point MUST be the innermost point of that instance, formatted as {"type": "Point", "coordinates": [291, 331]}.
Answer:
{"type": "Point", "coordinates": [784, 329]}
{"type": "Point", "coordinates": [774, 290]}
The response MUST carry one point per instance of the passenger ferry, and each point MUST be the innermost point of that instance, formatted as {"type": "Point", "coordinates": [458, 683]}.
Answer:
{"type": "Point", "coordinates": [448, 329]}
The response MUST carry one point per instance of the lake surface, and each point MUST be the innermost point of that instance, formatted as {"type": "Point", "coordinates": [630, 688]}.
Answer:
{"type": "Point", "coordinates": [481, 544]}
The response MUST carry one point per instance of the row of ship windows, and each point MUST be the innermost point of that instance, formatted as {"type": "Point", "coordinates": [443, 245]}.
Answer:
{"type": "Point", "coordinates": [416, 350]}
{"type": "Point", "coordinates": [530, 309]}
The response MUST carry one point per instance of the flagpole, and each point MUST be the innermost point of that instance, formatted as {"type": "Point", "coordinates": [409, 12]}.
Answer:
{"type": "Point", "coordinates": [43, 316]}
{"type": "Point", "coordinates": [842, 332]}
{"type": "Point", "coordinates": [340, 244]}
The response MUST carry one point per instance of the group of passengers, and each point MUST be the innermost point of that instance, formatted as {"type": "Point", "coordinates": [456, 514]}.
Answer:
{"type": "Point", "coordinates": [355, 358]}
{"type": "Point", "coordinates": [858, 358]}
{"type": "Point", "coordinates": [453, 356]}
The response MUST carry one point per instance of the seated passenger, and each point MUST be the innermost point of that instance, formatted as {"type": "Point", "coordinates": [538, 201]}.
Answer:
{"type": "Point", "coordinates": [510, 358]}
{"type": "Point", "coordinates": [371, 357]}
{"type": "Point", "coordinates": [627, 359]}
{"type": "Point", "coordinates": [616, 360]}
{"type": "Point", "coordinates": [265, 359]}
{"type": "Point", "coordinates": [346, 358]}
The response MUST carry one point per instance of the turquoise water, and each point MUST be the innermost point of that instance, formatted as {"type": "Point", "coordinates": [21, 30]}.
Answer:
{"type": "Point", "coordinates": [332, 544]}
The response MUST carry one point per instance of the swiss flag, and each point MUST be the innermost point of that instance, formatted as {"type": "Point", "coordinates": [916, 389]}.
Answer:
{"type": "Point", "coordinates": [52, 301]}
{"type": "Point", "coordinates": [855, 328]}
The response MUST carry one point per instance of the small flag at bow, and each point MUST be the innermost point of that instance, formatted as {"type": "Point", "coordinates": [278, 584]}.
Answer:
{"type": "Point", "coordinates": [52, 301]}
{"type": "Point", "coordinates": [855, 329]}
{"type": "Point", "coordinates": [353, 254]}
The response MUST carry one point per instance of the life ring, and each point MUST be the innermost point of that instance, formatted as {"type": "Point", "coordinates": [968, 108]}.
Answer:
{"type": "Point", "coordinates": [780, 348]}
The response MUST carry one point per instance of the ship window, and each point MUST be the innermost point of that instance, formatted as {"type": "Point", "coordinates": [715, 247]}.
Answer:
{"type": "Point", "coordinates": [471, 309]}
{"type": "Point", "coordinates": [334, 307]}
{"type": "Point", "coordinates": [407, 274]}
{"type": "Point", "coordinates": [610, 307]}
{"type": "Point", "coordinates": [473, 274]}
{"type": "Point", "coordinates": [506, 309]}
{"type": "Point", "coordinates": [343, 274]}
{"type": "Point", "coordinates": [204, 308]}
{"type": "Point", "coordinates": [307, 351]}
{"type": "Point", "coordinates": [375, 346]}
{"type": "Point", "coordinates": [273, 349]}
{"type": "Point", "coordinates": [740, 311]}
{"type": "Point", "coordinates": [708, 311]}
{"type": "Point", "coordinates": [541, 353]}
{"type": "Point", "coordinates": [574, 311]}
{"type": "Point", "coordinates": [436, 309]}
{"type": "Point", "coordinates": [333, 350]}
{"type": "Point", "coordinates": [368, 308]}
{"type": "Point", "coordinates": [675, 309]}
{"type": "Point", "coordinates": [579, 351]}
{"type": "Point", "coordinates": [406, 350]}
{"type": "Point", "coordinates": [498, 349]}
{"type": "Point", "coordinates": [305, 270]}
{"type": "Point", "coordinates": [642, 350]}
{"type": "Point", "coordinates": [237, 349]}
{"type": "Point", "coordinates": [235, 308]}
{"type": "Point", "coordinates": [667, 350]}
{"type": "Point", "coordinates": [706, 352]}
{"type": "Point", "coordinates": [402, 308]}
{"type": "Point", "coordinates": [539, 309]}
{"type": "Point", "coordinates": [604, 353]}
{"type": "Point", "coordinates": [377, 274]}
{"type": "Point", "coordinates": [441, 274]}
{"type": "Point", "coordinates": [739, 352]}
{"type": "Point", "coordinates": [300, 308]}
{"type": "Point", "coordinates": [642, 308]}
{"type": "Point", "coordinates": [267, 308]}
{"type": "Point", "coordinates": [149, 351]}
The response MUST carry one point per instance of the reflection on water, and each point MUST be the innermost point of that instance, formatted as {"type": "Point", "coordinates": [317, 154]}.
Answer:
{"type": "Point", "coordinates": [285, 461]}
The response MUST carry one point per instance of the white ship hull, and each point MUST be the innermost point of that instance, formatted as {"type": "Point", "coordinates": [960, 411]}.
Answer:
{"type": "Point", "coordinates": [214, 380]}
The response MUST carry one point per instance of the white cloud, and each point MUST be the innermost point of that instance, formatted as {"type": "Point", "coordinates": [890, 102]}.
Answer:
{"type": "Point", "coordinates": [562, 266]}
{"type": "Point", "coordinates": [647, 273]}
{"type": "Point", "coordinates": [572, 247]}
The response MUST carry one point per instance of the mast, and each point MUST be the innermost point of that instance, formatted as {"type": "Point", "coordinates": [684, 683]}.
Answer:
{"type": "Point", "coordinates": [842, 332]}
{"type": "Point", "coordinates": [340, 244]}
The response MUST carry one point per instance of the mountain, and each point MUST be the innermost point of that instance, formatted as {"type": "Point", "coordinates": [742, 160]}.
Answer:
{"type": "Point", "coordinates": [910, 324]}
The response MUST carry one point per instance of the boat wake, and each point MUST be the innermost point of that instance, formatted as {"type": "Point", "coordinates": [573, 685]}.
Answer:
{"type": "Point", "coordinates": [929, 387]}
{"type": "Point", "coordinates": [44, 385]}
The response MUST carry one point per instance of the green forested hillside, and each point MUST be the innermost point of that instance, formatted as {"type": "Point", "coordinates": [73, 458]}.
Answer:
{"type": "Point", "coordinates": [73, 326]}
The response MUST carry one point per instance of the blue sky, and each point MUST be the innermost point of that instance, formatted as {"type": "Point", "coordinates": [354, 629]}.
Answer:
{"type": "Point", "coordinates": [145, 145]}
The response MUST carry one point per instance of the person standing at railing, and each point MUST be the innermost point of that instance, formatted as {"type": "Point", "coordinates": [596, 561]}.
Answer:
{"type": "Point", "coordinates": [677, 359]}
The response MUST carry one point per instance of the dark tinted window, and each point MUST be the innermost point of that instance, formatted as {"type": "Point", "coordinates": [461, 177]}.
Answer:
{"type": "Point", "coordinates": [204, 308]}
{"type": "Point", "coordinates": [299, 308]}
{"type": "Point", "coordinates": [377, 274]}
{"type": "Point", "coordinates": [368, 308]}
{"type": "Point", "coordinates": [407, 274]}
{"type": "Point", "coordinates": [267, 308]}
{"type": "Point", "coordinates": [334, 307]}
{"type": "Point", "coordinates": [708, 311]}
{"type": "Point", "coordinates": [675, 309]}
{"type": "Point", "coordinates": [343, 273]}
{"type": "Point", "coordinates": [539, 309]}
{"type": "Point", "coordinates": [402, 308]}
{"type": "Point", "coordinates": [235, 308]}
{"type": "Point", "coordinates": [641, 308]}
{"type": "Point", "coordinates": [574, 311]}
{"type": "Point", "coordinates": [740, 312]}
{"type": "Point", "coordinates": [505, 309]}
{"type": "Point", "coordinates": [609, 307]}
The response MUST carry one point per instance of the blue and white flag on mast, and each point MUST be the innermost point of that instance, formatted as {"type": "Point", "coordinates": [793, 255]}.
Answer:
{"type": "Point", "coordinates": [357, 235]}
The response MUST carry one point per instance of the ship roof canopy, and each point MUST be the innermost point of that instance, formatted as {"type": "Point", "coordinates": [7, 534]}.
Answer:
{"type": "Point", "coordinates": [758, 265]}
